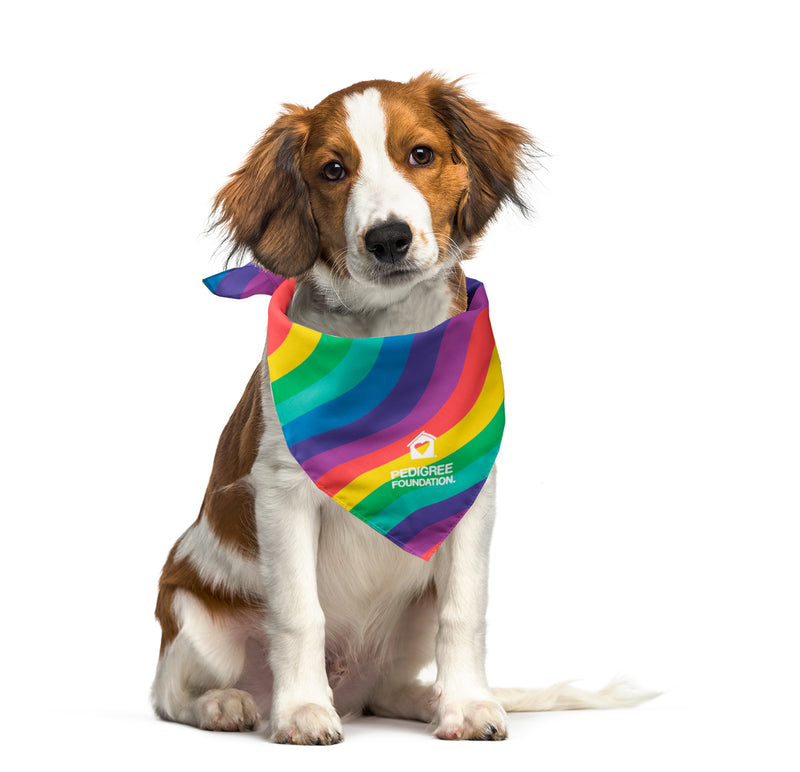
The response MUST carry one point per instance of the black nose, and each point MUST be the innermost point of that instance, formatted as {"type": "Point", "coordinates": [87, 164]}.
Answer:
{"type": "Point", "coordinates": [388, 242]}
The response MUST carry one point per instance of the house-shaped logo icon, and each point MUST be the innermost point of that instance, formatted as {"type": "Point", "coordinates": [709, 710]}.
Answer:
{"type": "Point", "coordinates": [422, 446]}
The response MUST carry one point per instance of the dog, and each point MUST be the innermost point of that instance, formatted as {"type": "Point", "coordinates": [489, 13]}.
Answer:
{"type": "Point", "coordinates": [277, 603]}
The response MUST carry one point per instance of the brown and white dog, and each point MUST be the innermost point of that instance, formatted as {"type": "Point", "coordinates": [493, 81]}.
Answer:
{"type": "Point", "coordinates": [276, 602]}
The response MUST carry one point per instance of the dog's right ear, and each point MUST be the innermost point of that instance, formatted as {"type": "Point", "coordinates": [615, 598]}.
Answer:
{"type": "Point", "coordinates": [265, 206]}
{"type": "Point", "coordinates": [496, 153]}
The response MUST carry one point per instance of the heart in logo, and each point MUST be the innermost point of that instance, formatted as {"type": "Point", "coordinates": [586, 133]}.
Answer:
{"type": "Point", "coordinates": [421, 447]}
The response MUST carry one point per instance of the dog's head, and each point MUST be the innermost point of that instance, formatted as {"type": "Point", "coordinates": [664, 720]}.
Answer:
{"type": "Point", "coordinates": [383, 183]}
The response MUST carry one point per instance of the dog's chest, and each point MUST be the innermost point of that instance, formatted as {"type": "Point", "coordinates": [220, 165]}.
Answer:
{"type": "Point", "coordinates": [364, 581]}
{"type": "Point", "coordinates": [361, 575]}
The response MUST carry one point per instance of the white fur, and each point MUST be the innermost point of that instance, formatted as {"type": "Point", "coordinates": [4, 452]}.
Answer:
{"type": "Point", "coordinates": [206, 654]}
{"type": "Point", "coordinates": [351, 620]}
{"type": "Point", "coordinates": [382, 194]}
{"type": "Point", "coordinates": [217, 565]}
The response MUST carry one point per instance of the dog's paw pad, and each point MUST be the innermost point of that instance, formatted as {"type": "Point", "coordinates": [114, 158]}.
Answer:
{"type": "Point", "coordinates": [473, 720]}
{"type": "Point", "coordinates": [310, 724]}
{"type": "Point", "coordinates": [226, 710]}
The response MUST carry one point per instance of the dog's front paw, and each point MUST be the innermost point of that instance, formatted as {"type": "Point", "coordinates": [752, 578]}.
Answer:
{"type": "Point", "coordinates": [472, 720]}
{"type": "Point", "coordinates": [309, 724]}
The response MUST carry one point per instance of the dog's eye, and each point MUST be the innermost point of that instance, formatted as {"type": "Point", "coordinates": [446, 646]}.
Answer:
{"type": "Point", "coordinates": [420, 156]}
{"type": "Point", "coordinates": [333, 171]}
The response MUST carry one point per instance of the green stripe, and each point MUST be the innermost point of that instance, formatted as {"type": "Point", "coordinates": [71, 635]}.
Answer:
{"type": "Point", "coordinates": [351, 370]}
{"type": "Point", "coordinates": [390, 505]}
{"type": "Point", "coordinates": [327, 354]}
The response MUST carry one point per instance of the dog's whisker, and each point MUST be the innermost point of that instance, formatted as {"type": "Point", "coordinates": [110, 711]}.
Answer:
{"type": "Point", "coordinates": [454, 250]}
{"type": "Point", "coordinates": [338, 273]}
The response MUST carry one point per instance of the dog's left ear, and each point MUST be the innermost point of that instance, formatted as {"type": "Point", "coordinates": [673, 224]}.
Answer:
{"type": "Point", "coordinates": [494, 150]}
{"type": "Point", "coordinates": [266, 207]}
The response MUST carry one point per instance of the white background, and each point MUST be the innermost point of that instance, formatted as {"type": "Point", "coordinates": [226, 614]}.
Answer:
{"type": "Point", "coordinates": [647, 320]}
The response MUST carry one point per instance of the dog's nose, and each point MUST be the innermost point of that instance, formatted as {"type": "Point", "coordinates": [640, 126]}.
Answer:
{"type": "Point", "coordinates": [388, 242]}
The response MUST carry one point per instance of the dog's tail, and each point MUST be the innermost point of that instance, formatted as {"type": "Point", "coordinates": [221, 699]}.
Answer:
{"type": "Point", "coordinates": [618, 693]}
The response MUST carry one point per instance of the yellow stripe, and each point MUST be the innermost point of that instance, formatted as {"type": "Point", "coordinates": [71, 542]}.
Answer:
{"type": "Point", "coordinates": [295, 349]}
{"type": "Point", "coordinates": [476, 420]}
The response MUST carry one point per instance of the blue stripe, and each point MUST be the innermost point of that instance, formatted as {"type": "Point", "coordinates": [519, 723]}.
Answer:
{"type": "Point", "coordinates": [390, 408]}
{"type": "Point", "coordinates": [351, 405]}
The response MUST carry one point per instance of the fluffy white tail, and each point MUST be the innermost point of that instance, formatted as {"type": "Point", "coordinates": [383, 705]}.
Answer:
{"type": "Point", "coordinates": [619, 693]}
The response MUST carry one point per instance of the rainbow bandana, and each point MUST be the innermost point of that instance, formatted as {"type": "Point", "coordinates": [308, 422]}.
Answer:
{"type": "Point", "coordinates": [402, 431]}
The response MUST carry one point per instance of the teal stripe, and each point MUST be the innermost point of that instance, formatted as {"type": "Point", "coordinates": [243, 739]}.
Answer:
{"type": "Point", "coordinates": [350, 371]}
{"type": "Point", "coordinates": [326, 356]}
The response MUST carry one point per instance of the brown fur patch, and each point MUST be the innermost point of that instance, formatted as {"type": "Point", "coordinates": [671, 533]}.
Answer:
{"type": "Point", "coordinates": [181, 575]}
{"type": "Point", "coordinates": [493, 150]}
{"type": "Point", "coordinates": [228, 510]}
{"type": "Point", "coordinates": [228, 503]}
{"type": "Point", "coordinates": [265, 205]}
{"type": "Point", "coordinates": [329, 140]}
{"type": "Point", "coordinates": [458, 286]}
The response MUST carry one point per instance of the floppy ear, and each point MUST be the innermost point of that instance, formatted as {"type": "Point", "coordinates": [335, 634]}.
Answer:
{"type": "Point", "coordinates": [265, 206]}
{"type": "Point", "coordinates": [495, 152]}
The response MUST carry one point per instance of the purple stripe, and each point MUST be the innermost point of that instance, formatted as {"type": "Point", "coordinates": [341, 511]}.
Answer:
{"type": "Point", "coordinates": [398, 403]}
{"type": "Point", "coordinates": [265, 283]}
{"type": "Point", "coordinates": [430, 536]}
{"type": "Point", "coordinates": [234, 281]}
{"type": "Point", "coordinates": [244, 282]}
{"type": "Point", "coordinates": [408, 415]}
{"type": "Point", "coordinates": [476, 293]}
{"type": "Point", "coordinates": [425, 526]}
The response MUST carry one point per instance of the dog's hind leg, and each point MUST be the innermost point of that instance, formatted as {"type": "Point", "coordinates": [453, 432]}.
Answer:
{"type": "Point", "coordinates": [199, 668]}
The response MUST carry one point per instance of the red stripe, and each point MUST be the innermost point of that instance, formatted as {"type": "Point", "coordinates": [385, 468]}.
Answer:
{"type": "Point", "coordinates": [464, 396]}
{"type": "Point", "coordinates": [279, 324]}
{"type": "Point", "coordinates": [427, 555]}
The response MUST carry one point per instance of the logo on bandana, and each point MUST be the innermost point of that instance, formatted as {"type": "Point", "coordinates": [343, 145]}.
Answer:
{"type": "Point", "coordinates": [422, 446]}
{"type": "Point", "coordinates": [423, 476]}
{"type": "Point", "coordinates": [419, 449]}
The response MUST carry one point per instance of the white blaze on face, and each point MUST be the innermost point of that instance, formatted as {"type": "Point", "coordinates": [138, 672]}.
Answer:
{"type": "Point", "coordinates": [381, 194]}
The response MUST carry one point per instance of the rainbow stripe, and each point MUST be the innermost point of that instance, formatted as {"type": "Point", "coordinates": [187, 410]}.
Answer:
{"type": "Point", "coordinates": [402, 431]}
